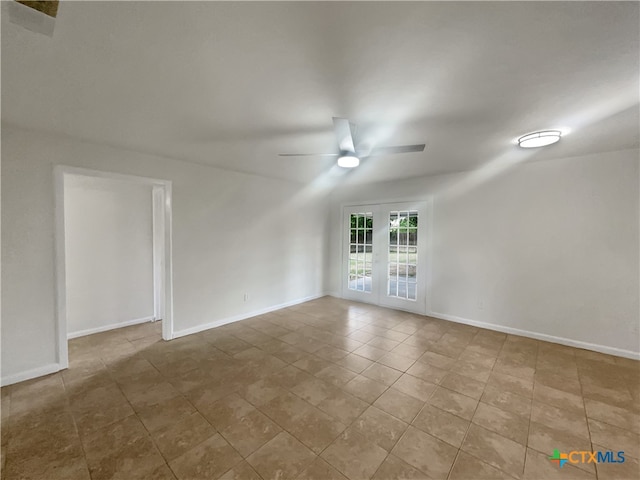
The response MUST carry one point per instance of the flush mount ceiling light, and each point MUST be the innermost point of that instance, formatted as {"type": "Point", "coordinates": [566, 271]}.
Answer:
{"type": "Point", "coordinates": [539, 139]}
{"type": "Point", "coordinates": [348, 161]}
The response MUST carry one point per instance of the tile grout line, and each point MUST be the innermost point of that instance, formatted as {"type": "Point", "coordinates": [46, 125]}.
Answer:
{"type": "Point", "coordinates": [135, 412]}
{"type": "Point", "coordinates": [455, 459]}
{"type": "Point", "coordinates": [584, 406]}
{"type": "Point", "coordinates": [378, 323]}
{"type": "Point", "coordinates": [115, 382]}
{"type": "Point", "coordinates": [533, 390]}
{"type": "Point", "coordinates": [75, 424]}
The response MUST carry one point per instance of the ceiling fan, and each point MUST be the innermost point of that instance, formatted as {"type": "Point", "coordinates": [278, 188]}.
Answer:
{"type": "Point", "coordinates": [348, 154]}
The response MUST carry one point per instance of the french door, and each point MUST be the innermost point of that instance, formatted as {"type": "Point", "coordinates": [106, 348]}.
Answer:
{"type": "Point", "coordinates": [385, 255]}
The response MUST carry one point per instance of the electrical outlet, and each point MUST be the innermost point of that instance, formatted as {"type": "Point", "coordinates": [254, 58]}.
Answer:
{"type": "Point", "coordinates": [246, 297]}
{"type": "Point", "coordinates": [480, 304]}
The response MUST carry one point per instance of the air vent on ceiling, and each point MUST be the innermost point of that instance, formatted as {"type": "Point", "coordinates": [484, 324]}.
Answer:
{"type": "Point", "coordinates": [35, 16]}
{"type": "Point", "coordinates": [47, 7]}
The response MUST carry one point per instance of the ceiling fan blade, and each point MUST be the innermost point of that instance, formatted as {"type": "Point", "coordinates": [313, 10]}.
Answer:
{"type": "Point", "coordinates": [308, 155]}
{"type": "Point", "coordinates": [344, 135]}
{"type": "Point", "coordinates": [397, 149]}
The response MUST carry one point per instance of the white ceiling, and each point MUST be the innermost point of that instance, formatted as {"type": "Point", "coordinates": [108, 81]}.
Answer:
{"type": "Point", "coordinates": [233, 84]}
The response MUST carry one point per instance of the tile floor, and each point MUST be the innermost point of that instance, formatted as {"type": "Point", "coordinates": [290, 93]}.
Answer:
{"type": "Point", "coordinates": [325, 390]}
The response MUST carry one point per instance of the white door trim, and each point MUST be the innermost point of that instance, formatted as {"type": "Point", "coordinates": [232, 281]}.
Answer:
{"type": "Point", "coordinates": [419, 305]}
{"type": "Point", "coordinates": [426, 203]}
{"type": "Point", "coordinates": [162, 251]}
{"type": "Point", "coordinates": [356, 295]}
{"type": "Point", "coordinates": [158, 201]}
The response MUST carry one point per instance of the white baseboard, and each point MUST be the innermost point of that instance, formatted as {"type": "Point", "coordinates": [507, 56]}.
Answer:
{"type": "Point", "coordinates": [55, 367]}
{"type": "Point", "coordinates": [540, 336]}
{"type": "Point", "coordinates": [243, 316]}
{"type": "Point", "coordinates": [29, 374]}
{"type": "Point", "coordinates": [104, 328]}
{"type": "Point", "coordinates": [618, 352]}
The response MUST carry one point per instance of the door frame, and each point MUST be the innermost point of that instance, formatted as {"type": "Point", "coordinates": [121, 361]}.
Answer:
{"type": "Point", "coordinates": [372, 297]}
{"type": "Point", "coordinates": [386, 300]}
{"type": "Point", "coordinates": [427, 203]}
{"type": "Point", "coordinates": [161, 202]}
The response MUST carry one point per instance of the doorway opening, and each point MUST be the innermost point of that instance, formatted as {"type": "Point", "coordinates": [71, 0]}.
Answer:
{"type": "Point", "coordinates": [159, 259]}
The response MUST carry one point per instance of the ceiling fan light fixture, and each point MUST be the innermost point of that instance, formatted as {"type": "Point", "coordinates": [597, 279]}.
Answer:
{"type": "Point", "coordinates": [539, 139]}
{"type": "Point", "coordinates": [348, 161]}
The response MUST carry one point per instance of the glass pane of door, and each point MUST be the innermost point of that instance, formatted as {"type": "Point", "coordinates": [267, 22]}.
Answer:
{"type": "Point", "coordinates": [360, 251]}
{"type": "Point", "coordinates": [402, 261]}
{"type": "Point", "coordinates": [381, 248]}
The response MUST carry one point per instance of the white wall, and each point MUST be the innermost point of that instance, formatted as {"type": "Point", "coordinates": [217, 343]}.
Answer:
{"type": "Point", "coordinates": [108, 253]}
{"type": "Point", "coordinates": [232, 233]}
{"type": "Point", "coordinates": [551, 247]}
{"type": "Point", "coordinates": [548, 247]}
